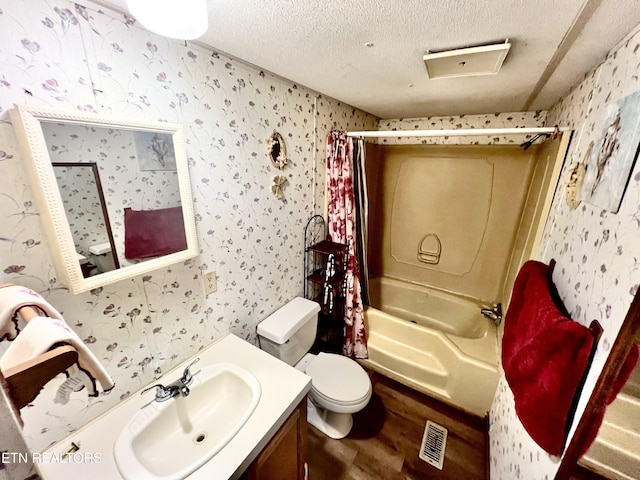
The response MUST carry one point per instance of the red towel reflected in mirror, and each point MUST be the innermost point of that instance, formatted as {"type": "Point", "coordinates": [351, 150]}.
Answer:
{"type": "Point", "coordinates": [153, 233]}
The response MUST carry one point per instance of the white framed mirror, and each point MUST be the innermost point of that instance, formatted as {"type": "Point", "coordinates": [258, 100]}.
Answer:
{"type": "Point", "coordinates": [113, 193]}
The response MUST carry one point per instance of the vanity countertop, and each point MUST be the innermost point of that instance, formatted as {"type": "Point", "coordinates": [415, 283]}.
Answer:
{"type": "Point", "coordinates": [283, 387]}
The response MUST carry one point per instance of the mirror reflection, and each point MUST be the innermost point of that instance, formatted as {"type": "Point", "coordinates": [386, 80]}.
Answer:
{"type": "Point", "coordinates": [141, 193]}
{"type": "Point", "coordinates": [277, 151]}
{"type": "Point", "coordinates": [81, 192]}
{"type": "Point", "coordinates": [135, 212]}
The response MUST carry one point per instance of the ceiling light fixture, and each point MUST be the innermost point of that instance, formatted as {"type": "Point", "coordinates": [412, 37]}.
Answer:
{"type": "Point", "coordinates": [182, 19]}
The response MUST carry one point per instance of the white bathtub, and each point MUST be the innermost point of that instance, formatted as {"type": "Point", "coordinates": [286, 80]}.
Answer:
{"type": "Point", "coordinates": [434, 341]}
{"type": "Point", "coordinates": [614, 453]}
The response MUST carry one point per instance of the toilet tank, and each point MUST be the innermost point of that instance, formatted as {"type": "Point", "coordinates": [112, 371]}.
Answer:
{"type": "Point", "coordinates": [289, 332]}
{"type": "Point", "coordinates": [100, 248]}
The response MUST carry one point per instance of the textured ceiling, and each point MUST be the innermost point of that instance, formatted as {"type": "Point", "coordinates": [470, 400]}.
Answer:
{"type": "Point", "coordinates": [321, 45]}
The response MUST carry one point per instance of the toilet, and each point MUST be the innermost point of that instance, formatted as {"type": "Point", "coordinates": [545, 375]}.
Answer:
{"type": "Point", "coordinates": [82, 260]}
{"type": "Point", "coordinates": [100, 255]}
{"type": "Point", "coordinates": [87, 269]}
{"type": "Point", "coordinates": [339, 386]}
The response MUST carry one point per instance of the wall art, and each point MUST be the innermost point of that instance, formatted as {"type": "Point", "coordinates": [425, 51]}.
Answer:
{"type": "Point", "coordinates": [155, 151]}
{"type": "Point", "coordinates": [613, 155]}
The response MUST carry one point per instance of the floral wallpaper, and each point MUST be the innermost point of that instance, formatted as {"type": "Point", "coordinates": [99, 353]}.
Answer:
{"type": "Point", "coordinates": [597, 272]}
{"type": "Point", "coordinates": [62, 55]}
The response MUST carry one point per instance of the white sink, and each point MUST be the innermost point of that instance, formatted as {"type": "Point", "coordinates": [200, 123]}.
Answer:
{"type": "Point", "coordinates": [171, 439]}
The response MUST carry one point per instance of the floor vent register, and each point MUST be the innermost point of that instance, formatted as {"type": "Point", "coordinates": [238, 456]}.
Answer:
{"type": "Point", "coordinates": [434, 442]}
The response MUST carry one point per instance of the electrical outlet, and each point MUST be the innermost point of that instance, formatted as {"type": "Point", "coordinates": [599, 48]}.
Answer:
{"type": "Point", "coordinates": [210, 283]}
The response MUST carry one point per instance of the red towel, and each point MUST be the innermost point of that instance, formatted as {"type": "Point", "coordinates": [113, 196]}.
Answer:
{"type": "Point", "coordinates": [545, 355]}
{"type": "Point", "coordinates": [152, 233]}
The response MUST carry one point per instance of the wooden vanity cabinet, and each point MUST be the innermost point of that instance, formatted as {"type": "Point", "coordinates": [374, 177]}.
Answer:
{"type": "Point", "coordinates": [285, 456]}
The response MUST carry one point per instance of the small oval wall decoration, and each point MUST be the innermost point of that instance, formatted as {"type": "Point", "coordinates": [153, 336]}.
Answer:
{"type": "Point", "coordinates": [277, 151]}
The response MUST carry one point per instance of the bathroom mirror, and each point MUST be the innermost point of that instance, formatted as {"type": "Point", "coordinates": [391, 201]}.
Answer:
{"type": "Point", "coordinates": [135, 177]}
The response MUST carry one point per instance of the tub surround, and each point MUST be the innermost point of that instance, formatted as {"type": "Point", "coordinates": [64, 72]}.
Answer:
{"type": "Point", "coordinates": [489, 202]}
{"type": "Point", "coordinates": [282, 389]}
{"type": "Point", "coordinates": [463, 202]}
{"type": "Point", "coordinates": [441, 251]}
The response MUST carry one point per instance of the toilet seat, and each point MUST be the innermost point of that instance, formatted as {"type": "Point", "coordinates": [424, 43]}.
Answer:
{"type": "Point", "coordinates": [338, 380]}
{"type": "Point", "coordinates": [329, 402]}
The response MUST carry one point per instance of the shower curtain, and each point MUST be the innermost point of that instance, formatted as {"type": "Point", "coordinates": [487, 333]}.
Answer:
{"type": "Point", "coordinates": [341, 219]}
{"type": "Point", "coordinates": [362, 215]}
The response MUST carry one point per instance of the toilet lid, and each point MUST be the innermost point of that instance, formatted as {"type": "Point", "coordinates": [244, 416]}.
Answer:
{"type": "Point", "coordinates": [338, 378]}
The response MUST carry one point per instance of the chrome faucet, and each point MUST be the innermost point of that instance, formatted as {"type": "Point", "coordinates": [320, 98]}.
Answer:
{"type": "Point", "coordinates": [179, 387]}
{"type": "Point", "coordinates": [494, 313]}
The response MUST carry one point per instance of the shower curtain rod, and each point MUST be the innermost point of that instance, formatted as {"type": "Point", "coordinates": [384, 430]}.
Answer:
{"type": "Point", "coordinates": [458, 132]}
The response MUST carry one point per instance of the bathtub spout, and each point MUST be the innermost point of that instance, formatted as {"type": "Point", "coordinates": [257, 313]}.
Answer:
{"type": "Point", "coordinates": [494, 313]}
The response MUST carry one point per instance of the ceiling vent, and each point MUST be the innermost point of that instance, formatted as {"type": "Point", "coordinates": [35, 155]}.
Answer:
{"type": "Point", "coordinates": [465, 62]}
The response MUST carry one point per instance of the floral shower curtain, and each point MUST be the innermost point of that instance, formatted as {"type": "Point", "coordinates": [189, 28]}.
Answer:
{"type": "Point", "coordinates": [341, 216]}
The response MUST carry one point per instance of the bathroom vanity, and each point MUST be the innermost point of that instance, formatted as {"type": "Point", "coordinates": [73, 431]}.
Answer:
{"type": "Point", "coordinates": [285, 456]}
{"type": "Point", "coordinates": [271, 442]}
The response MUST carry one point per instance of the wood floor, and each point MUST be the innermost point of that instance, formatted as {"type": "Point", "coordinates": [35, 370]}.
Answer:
{"type": "Point", "coordinates": [386, 437]}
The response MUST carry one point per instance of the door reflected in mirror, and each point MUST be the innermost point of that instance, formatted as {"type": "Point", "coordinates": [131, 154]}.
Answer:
{"type": "Point", "coordinates": [81, 192]}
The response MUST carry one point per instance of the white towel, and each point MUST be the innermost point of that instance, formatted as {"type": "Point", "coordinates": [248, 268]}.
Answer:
{"type": "Point", "coordinates": [39, 335]}
{"type": "Point", "coordinates": [12, 298]}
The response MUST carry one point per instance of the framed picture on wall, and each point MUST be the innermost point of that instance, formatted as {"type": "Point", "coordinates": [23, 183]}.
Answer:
{"type": "Point", "coordinates": [613, 155]}
{"type": "Point", "coordinates": [155, 151]}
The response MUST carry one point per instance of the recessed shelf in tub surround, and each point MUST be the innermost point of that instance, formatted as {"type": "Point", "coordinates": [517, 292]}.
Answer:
{"type": "Point", "coordinates": [282, 389]}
